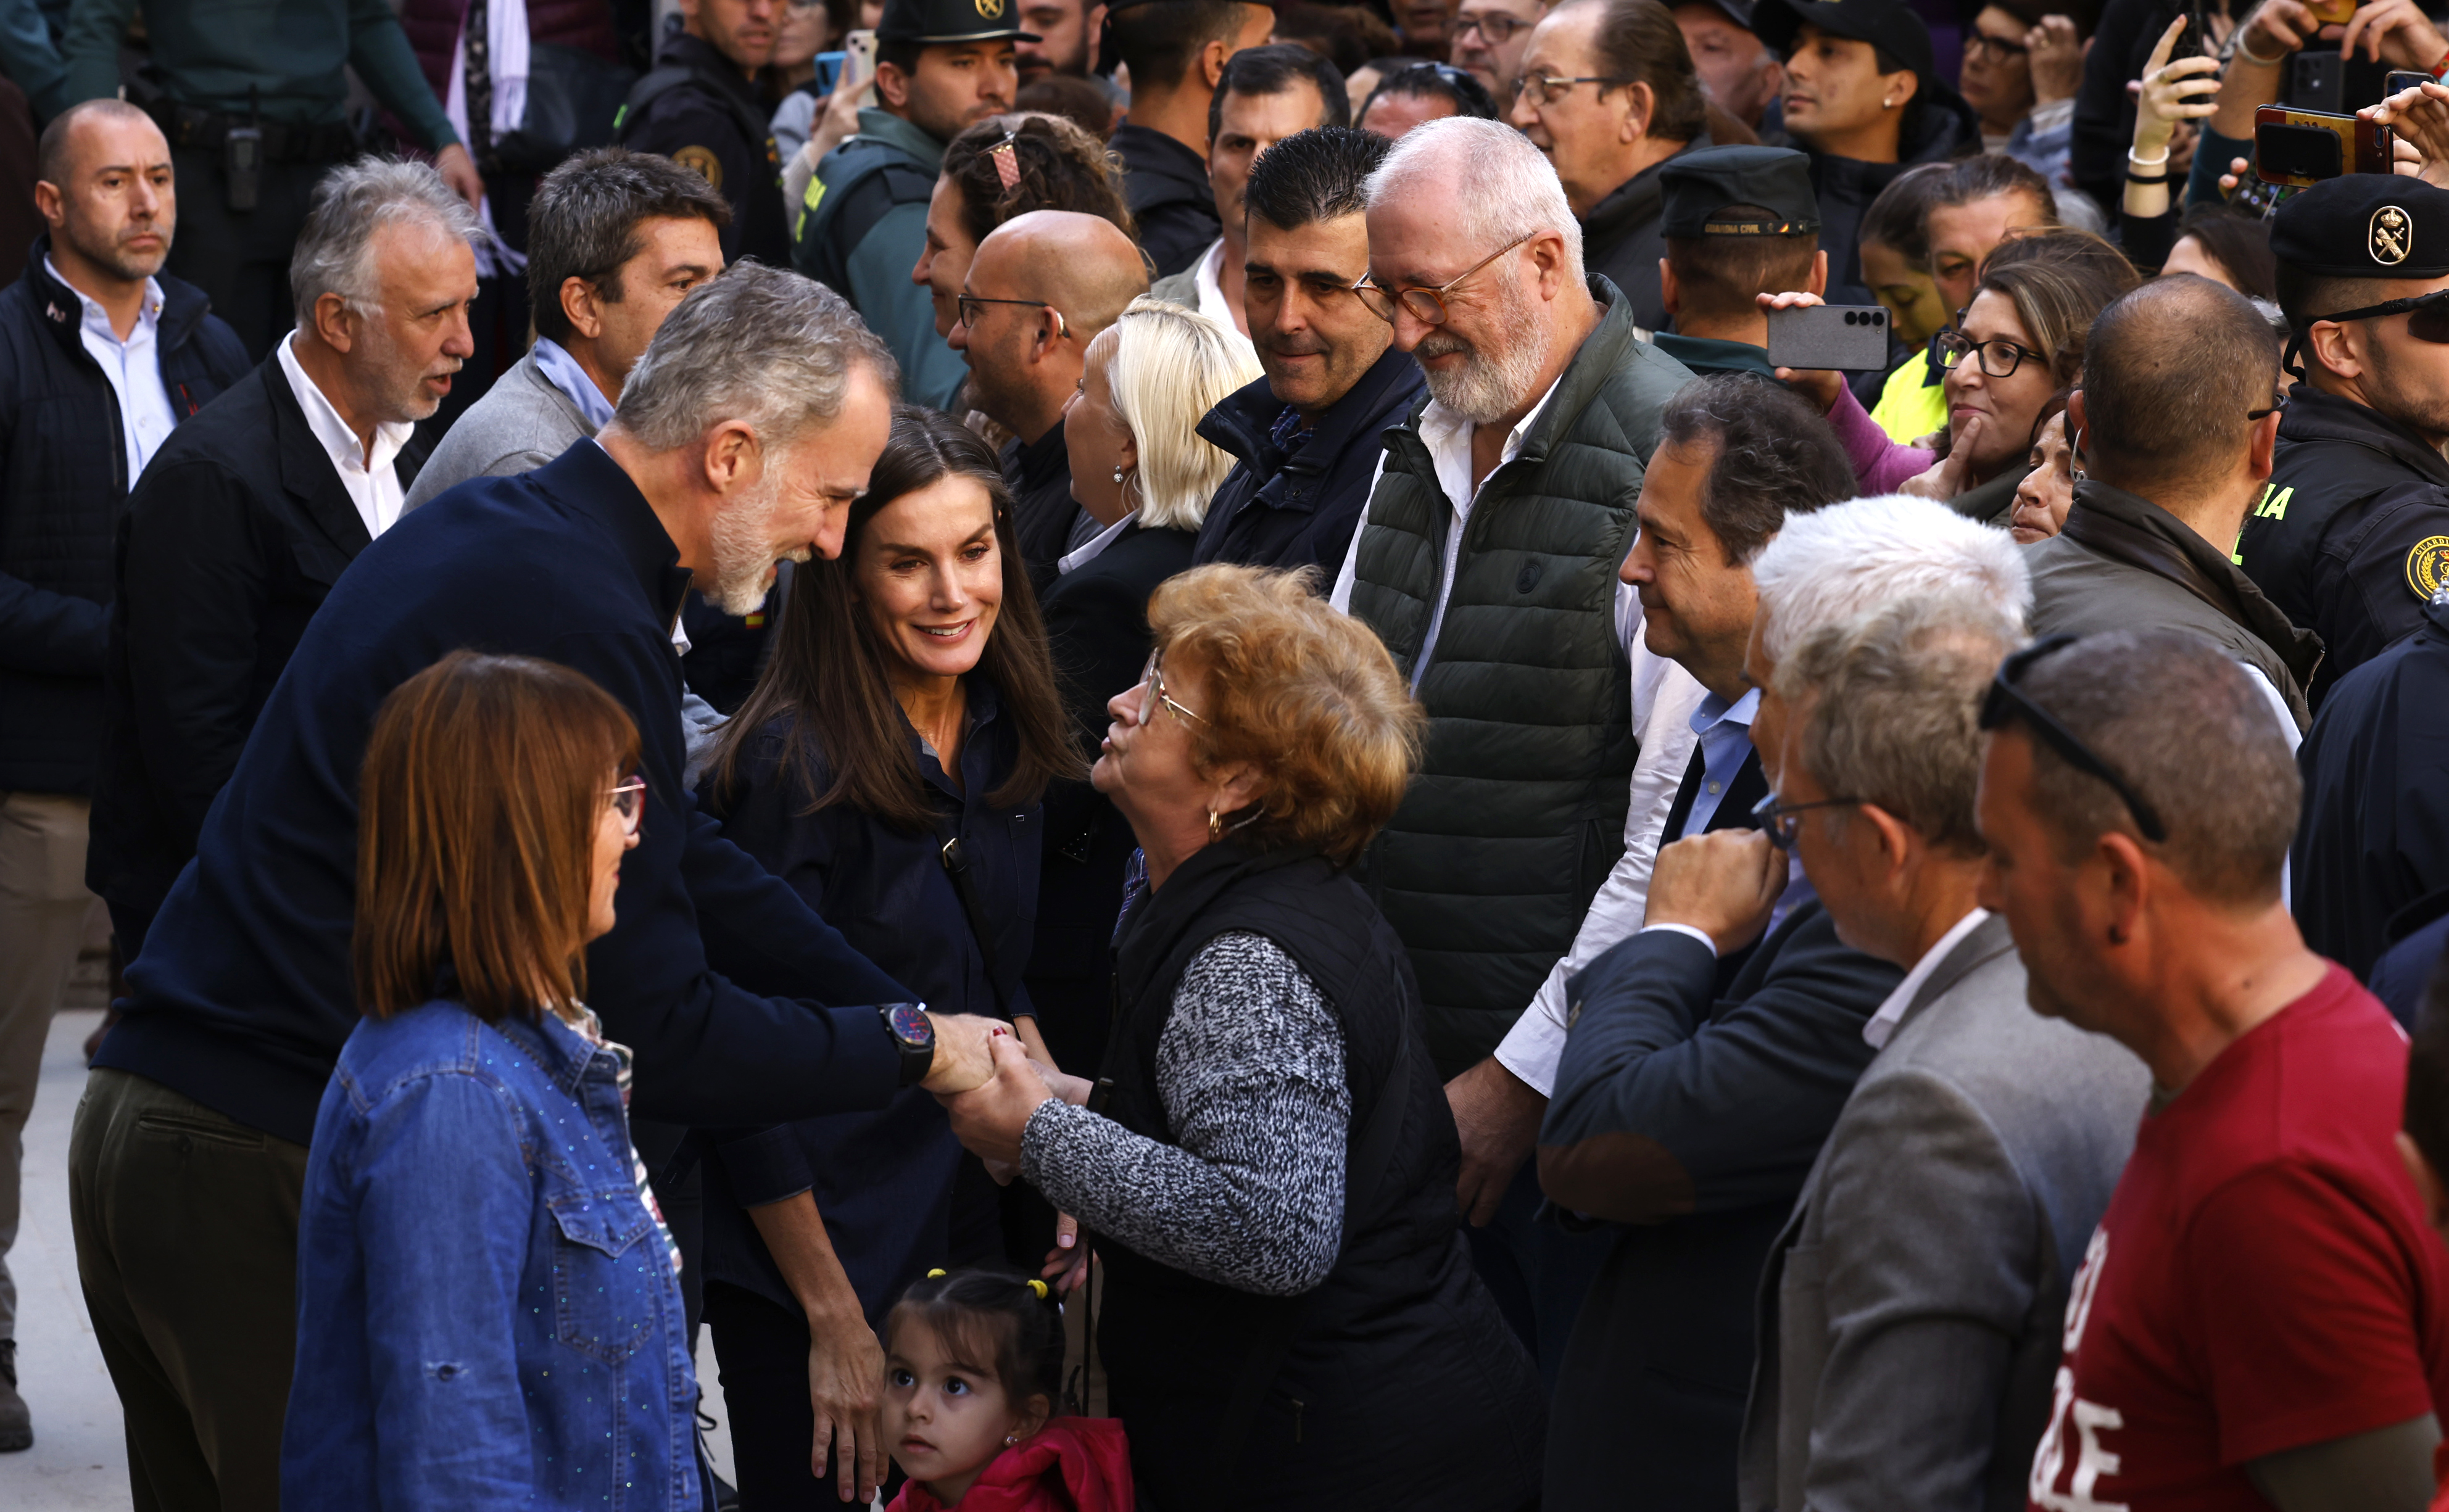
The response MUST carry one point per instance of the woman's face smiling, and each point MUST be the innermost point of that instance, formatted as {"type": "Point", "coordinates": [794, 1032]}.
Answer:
{"type": "Point", "coordinates": [2004, 407]}
{"type": "Point", "coordinates": [929, 574]}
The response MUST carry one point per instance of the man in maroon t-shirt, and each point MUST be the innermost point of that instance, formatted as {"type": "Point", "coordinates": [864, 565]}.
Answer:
{"type": "Point", "coordinates": [2262, 1318]}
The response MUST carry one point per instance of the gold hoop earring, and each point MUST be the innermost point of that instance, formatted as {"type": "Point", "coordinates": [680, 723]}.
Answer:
{"type": "Point", "coordinates": [1215, 825]}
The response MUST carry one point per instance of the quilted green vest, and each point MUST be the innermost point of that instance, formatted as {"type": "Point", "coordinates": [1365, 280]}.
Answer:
{"type": "Point", "coordinates": [1517, 813]}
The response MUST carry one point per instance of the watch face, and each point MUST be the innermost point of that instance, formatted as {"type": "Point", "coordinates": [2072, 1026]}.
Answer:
{"type": "Point", "coordinates": [911, 1025]}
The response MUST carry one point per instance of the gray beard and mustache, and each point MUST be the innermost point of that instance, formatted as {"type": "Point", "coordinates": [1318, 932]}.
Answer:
{"type": "Point", "coordinates": [743, 544]}
{"type": "Point", "coordinates": [1496, 380]}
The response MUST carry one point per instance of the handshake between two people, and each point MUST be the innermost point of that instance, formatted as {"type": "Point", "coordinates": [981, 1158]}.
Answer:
{"type": "Point", "coordinates": [990, 1086]}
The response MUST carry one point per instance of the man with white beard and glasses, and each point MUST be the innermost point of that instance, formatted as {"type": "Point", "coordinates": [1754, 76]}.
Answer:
{"type": "Point", "coordinates": [1487, 563]}
{"type": "Point", "coordinates": [741, 437]}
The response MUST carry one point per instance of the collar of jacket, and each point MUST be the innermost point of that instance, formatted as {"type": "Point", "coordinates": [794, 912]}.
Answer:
{"type": "Point", "coordinates": [976, 761]}
{"type": "Point", "coordinates": [1612, 344]}
{"type": "Point", "coordinates": [2314, 416]}
{"type": "Point", "coordinates": [1985, 942]}
{"type": "Point", "coordinates": [563, 1054]}
{"type": "Point", "coordinates": [890, 129]}
{"type": "Point", "coordinates": [707, 60]}
{"type": "Point", "coordinates": [1635, 202]}
{"type": "Point", "coordinates": [183, 306]}
{"type": "Point", "coordinates": [1151, 931]}
{"type": "Point", "coordinates": [2130, 529]}
{"type": "Point", "coordinates": [1240, 424]}
{"type": "Point", "coordinates": [1159, 170]}
{"type": "Point", "coordinates": [306, 469]}
{"type": "Point", "coordinates": [585, 478]}
{"type": "Point", "coordinates": [1042, 459]}
{"type": "Point", "coordinates": [1710, 355]}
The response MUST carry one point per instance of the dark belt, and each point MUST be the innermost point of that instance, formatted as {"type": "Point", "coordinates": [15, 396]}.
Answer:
{"type": "Point", "coordinates": [205, 130]}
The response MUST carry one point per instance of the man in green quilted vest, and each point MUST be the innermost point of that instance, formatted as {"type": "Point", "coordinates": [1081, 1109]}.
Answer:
{"type": "Point", "coordinates": [1486, 562]}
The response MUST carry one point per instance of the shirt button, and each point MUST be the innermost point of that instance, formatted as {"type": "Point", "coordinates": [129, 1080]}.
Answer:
{"type": "Point", "coordinates": [1713, 787]}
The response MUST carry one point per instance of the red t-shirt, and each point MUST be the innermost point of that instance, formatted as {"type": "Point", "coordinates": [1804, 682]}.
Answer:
{"type": "Point", "coordinates": [2262, 1279]}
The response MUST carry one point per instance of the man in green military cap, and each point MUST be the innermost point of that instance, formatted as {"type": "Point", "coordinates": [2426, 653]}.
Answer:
{"type": "Point", "coordinates": [940, 66]}
{"type": "Point", "coordinates": [1739, 223]}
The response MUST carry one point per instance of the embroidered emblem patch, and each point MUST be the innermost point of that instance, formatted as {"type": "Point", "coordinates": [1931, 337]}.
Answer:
{"type": "Point", "coordinates": [991, 10]}
{"type": "Point", "coordinates": [708, 167]}
{"type": "Point", "coordinates": [2427, 567]}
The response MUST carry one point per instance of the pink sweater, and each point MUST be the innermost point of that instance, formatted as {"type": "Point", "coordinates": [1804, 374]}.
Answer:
{"type": "Point", "coordinates": [1879, 464]}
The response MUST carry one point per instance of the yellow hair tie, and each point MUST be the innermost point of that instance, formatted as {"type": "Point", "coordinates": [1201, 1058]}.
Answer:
{"type": "Point", "coordinates": [932, 1275]}
{"type": "Point", "coordinates": [1038, 1287]}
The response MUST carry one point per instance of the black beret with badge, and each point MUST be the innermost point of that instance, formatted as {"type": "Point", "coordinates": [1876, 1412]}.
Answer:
{"type": "Point", "coordinates": [2366, 226]}
{"type": "Point", "coordinates": [936, 21]}
{"type": "Point", "coordinates": [1738, 191]}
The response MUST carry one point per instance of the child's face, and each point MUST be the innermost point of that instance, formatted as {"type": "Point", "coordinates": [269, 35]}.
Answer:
{"type": "Point", "coordinates": [946, 1418]}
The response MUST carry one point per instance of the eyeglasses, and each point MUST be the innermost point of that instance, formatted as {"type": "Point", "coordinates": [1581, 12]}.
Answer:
{"type": "Point", "coordinates": [1496, 29]}
{"type": "Point", "coordinates": [1993, 49]}
{"type": "Point", "coordinates": [629, 801]}
{"type": "Point", "coordinates": [1152, 678]}
{"type": "Point", "coordinates": [1552, 88]}
{"type": "Point", "coordinates": [1779, 821]}
{"type": "Point", "coordinates": [970, 316]}
{"type": "Point", "coordinates": [2000, 357]}
{"type": "Point", "coordinates": [2427, 314]}
{"type": "Point", "coordinates": [2005, 701]}
{"type": "Point", "coordinates": [1427, 306]}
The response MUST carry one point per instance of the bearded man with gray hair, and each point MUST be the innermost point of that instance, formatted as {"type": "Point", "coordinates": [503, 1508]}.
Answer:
{"type": "Point", "coordinates": [743, 435]}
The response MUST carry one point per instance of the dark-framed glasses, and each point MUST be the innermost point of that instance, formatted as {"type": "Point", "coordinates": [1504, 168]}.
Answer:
{"type": "Point", "coordinates": [1427, 306]}
{"type": "Point", "coordinates": [1496, 29]}
{"type": "Point", "coordinates": [629, 802]}
{"type": "Point", "coordinates": [1152, 678]}
{"type": "Point", "coordinates": [1995, 50]}
{"type": "Point", "coordinates": [1551, 89]}
{"type": "Point", "coordinates": [2006, 701]}
{"type": "Point", "coordinates": [1999, 359]}
{"type": "Point", "coordinates": [1781, 822]}
{"type": "Point", "coordinates": [2427, 315]}
{"type": "Point", "coordinates": [970, 303]}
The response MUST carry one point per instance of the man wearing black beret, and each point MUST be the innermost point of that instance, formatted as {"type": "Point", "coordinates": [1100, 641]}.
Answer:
{"type": "Point", "coordinates": [1739, 223]}
{"type": "Point", "coordinates": [2351, 536]}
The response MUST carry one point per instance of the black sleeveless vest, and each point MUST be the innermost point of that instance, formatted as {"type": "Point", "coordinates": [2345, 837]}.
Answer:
{"type": "Point", "coordinates": [1403, 1387]}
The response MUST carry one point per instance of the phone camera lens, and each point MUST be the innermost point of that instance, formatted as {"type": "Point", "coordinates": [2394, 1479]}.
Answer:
{"type": "Point", "coordinates": [1851, 317]}
{"type": "Point", "coordinates": [1878, 317]}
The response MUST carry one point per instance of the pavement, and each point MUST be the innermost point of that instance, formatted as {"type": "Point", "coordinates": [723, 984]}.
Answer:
{"type": "Point", "coordinates": [79, 1460]}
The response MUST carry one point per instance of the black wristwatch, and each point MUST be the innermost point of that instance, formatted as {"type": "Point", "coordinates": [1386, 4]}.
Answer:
{"type": "Point", "coordinates": [913, 1035]}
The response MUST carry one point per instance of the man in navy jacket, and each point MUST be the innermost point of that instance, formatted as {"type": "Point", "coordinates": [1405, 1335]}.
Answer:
{"type": "Point", "coordinates": [743, 435]}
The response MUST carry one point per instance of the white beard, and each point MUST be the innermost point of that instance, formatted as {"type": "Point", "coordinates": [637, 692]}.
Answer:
{"type": "Point", "coordinates": [744, 549]}
{"type": "Point", "coordinates": [1491, 385]}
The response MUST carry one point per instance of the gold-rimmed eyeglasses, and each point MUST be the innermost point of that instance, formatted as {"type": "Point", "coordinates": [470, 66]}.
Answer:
{"type": "Point", "coordinates": [1152, 680]}
{"type": "Point", "coordinates": [629, 802]}
{"type": "Point", "coordinates": [1426, 305]}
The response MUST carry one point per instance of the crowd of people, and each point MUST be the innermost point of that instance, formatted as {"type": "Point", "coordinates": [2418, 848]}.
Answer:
{"type": "Point", "coordinates": [1154, 753]}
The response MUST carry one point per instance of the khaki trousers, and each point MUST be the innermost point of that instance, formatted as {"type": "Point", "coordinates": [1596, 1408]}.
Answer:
{"type": "Point", "coordinates": [42, 905]}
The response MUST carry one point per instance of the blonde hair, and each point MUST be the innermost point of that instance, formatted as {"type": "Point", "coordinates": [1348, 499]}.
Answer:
{"type": "Point", "coordinates": [1305, 694]}
{"type": "Point", "coordinates": [1169, 367]}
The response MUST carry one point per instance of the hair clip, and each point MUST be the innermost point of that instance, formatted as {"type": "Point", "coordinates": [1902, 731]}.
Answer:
{"type": "Point", "coordinates": [1038, 1287]}
{"type": "Point", "coordinates": [932, 1275]}
{"type": "Point", "coordinates": [1007, 161]}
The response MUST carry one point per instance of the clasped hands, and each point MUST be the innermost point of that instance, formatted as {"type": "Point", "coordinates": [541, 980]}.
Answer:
{"type": "Point", "coordinates": [989, 1088]}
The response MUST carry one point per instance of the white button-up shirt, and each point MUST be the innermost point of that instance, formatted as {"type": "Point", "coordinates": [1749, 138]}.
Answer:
{"type": "Point", "coordinates": [133, 368]}
{"type": "Point", "coordinates": [1881, 1025]}
{"type": "Point", "coordinates": [374, 487]}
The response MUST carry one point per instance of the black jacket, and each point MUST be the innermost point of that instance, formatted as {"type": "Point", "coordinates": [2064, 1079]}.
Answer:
{"type": "Point", "coordinates": [1165, 185]}
{"type": "Point", "coordinates": [230, 543]}
{"type": "Point", "coordinates": [63, 487]}
{"type": "Point", "coordinates": [697, 108]}
{"type": "Point", "coordinates": [2351, 535]}
{"type": "Point", "coordinates": [1387, 1368]}
{"type": "Point", "coordinates": [1096, 625]}
{"type": "Point", "coordinates": [1621, 239]}
{"type": "Point", "coordinates": [2374, 833]}
{"type": "Point", "coordinates": [243, 996]}
{"type": "Point", "coordinates": [1298, 508]}
{"type": "Point", "coordinates": [1845, 186]}
{"type": "Point", "coordinates": [1039, 475]}
{"type": "Point", "coordinates": [1691, 1112]}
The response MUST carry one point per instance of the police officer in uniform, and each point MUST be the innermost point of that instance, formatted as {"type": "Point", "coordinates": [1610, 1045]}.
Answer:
{"type": "Point", "coordinates": [2351, 535]}
{"type": "Point", "coordinates": [942, 66]}
{"type": "Point", "coordinates": [1735, 208]}
{"type": "Point", "coordinates": [701, 107]}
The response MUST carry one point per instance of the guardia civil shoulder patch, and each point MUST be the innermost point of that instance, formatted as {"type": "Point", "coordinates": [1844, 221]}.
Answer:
{"type": "Point", "coordinates": [708, 167]}
{"type": "Point", "coordinates": [2427, 567]}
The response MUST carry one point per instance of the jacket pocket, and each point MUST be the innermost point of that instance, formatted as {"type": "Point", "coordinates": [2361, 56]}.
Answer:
{"type": "Point", "coordinates": [603, 1298]}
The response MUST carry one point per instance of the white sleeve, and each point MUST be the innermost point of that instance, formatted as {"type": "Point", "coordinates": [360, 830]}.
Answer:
{"type": "Point", "coordinates": [1340, 599]}
{"type": "Point", "coordinates": [2295, 738]}
{"type": "Point", "coordinates": [1664, 697]}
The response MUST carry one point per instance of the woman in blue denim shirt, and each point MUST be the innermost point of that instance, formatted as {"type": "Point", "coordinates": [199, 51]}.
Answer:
{"type": "Point", "coordinates": [910, 703]}
{"type": "Point", "coordinates": [488, 1310]}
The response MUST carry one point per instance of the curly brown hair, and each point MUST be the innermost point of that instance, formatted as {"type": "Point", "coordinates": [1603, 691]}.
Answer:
{"type": "Point", "coordinates": [1303, 694]}
{"type": "Point", "coordinates": [1059, 166]}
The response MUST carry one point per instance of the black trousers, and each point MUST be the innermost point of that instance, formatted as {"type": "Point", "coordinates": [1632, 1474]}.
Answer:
{"type": "Point", "coordinates": [240, 258]}
{"type": "Point", "coordinates": [762, 1351]}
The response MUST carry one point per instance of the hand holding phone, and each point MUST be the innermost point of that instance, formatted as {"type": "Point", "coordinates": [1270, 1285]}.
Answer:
{"type": "Point", "coordinates": [2300, 148]}
{"type": "Point", "coordinates": [1840, 338]}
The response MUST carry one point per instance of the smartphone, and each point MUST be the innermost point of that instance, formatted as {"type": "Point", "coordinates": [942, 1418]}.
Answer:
{"type": "Point", "coordinates": [2402, 80]}
{"type": "Point", "coordinates": [1849, 338]}
{"type": "Point", "coordinates": [858, 63]}
{"type": "Point", "coordinates": [829, 68]}
{"type": "Point", "coordinates": [2300, 148]}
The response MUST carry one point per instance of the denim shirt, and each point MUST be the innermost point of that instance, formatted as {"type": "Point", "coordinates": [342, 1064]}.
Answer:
{"type": "Point", "coordinates": [487, 1315]}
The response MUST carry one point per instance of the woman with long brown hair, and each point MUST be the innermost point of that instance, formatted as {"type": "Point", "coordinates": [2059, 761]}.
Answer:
{"type": "Point", "coordinates": [889, 766]}
{"type": "Point", "coordinates": [491, 1300]}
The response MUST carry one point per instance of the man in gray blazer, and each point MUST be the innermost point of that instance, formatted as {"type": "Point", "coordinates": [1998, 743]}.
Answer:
{"type": "Point", "coordinates": [1911, 1310]}
{"type": "Point", "coordinates": [614, 240]}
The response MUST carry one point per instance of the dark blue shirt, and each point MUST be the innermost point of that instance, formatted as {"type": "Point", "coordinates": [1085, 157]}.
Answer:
{"type": "Point", "coordinates": [244, 994]}
{"type": "Point", "coordinates": [490, 1317]}
{"type": "Point", "coordinates": [883, 1181]}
